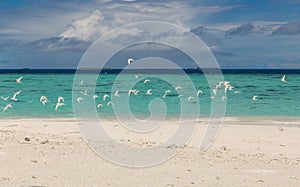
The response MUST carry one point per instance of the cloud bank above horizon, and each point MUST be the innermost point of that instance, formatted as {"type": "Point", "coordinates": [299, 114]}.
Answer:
{"type": "Point", "coordinates": [240, 34]}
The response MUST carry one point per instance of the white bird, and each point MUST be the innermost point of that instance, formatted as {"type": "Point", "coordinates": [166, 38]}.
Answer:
{"type": "Point", "coordinates": [147, 80]}
{"type": "Point", "coordinates": [149, 92]}
{"type": "Point", "coordinates": [18, 80]}
{"type": "Point", "coordinates": [60, 102]}
{"type": "Point", "coordinates": [79, 99]}
{"type": "Point", "coordinates": [99, 105]}
{"type": "Point", "coordinates": [7, 106]}
{"type": "Point", "coordinates": [95, 96]}
{"type": "Point", "coordinates": [283, 79]}
{"type": "Point", "coordinates": [215, 91]}
{"type": "Point", "coordinates": [254, 98]}
{"type": "Point", "coordinates": [224, 98]}
{"type": "Point", "coordinates": [135, 92]}
{"type": "Point", "coordinates": [116, 94]}
{"type": "Point", "coordinates": [178, 87]}
{"type": "Point", "coordinates": [166, 93]}
{"type": "Point", "coordinates": [85, 92]}
{"type": "Point", "coordinates": [43, 100]}
{"type": "Point", "coordinates": [190, 98]}
{"type": "Point", "coordinates": [81, 82]}
{"type": "Point", "coordinates": [4, 98]}
{"type": "Point", "coordinates": [129, 61]}
{"type": "Point", "coordinates": [14, 98]}
{"type": "Point", "coordinates": [109, 103]}
{"type": "Point", "coordinates": [199, 92]}
{"type": "Point", "coordinates": [227, 87]}
{"type": "Point", "coordinates": [237, 92]}
{"type": "Point", "coordinates": [180, 95]}
{"type": "Point", "coordinates": [105, 96]}
{"type": "Point", "coordinates": [136, 76]}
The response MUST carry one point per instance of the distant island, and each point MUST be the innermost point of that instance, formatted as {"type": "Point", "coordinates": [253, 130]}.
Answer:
{"type": "Point", "coordinates": [150, 71]}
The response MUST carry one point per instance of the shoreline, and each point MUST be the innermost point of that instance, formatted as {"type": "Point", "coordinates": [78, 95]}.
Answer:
{"type": "Point", "coordinates": [248, 120]}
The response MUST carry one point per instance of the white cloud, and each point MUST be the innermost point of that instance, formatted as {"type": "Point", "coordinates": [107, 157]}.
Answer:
{"type": "Point", "coordinates": [98, 23]}
{"type": "Point", "coordinates": [88, 28]}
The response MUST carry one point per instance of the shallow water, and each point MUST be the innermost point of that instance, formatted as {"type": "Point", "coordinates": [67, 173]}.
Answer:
{"type": "Point", "coordinates": [274, 98]}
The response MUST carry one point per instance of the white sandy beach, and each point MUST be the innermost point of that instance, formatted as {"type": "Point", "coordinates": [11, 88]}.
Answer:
{"type": "Point", "coordinates": [51, 152]}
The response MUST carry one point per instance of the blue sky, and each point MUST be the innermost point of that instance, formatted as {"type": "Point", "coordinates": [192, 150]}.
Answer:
{"type": "Point", "coordinates": [241, 34]}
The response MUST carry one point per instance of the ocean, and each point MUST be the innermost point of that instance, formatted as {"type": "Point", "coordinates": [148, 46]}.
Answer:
{"type": "Point", "coordinates": [274, 97]}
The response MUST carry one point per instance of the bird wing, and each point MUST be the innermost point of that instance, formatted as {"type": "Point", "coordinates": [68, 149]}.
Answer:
{"type": "Point", "coordinates": [130, 60]}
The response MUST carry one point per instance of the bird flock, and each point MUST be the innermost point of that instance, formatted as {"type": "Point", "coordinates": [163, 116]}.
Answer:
{"type": "Point", "coordinates": [222, 85]}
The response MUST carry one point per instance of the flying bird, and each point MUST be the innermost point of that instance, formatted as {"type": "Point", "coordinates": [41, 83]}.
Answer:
{"type": "Point", "coordinates": [283, 79]}
{"type": "Point", "coordinates": [178, 87]}
{"type": "Point", "coordinates": [166, 93]}
{"type": "Point", "coordinates": [18, 80]}
{"type": "Point", "coordinates": [60, 102]}
{"type": "Point", "coordinates": [7, 107]}
{"type": "Point", "coordinates": [135, 92]}
{"type": "Point", "coordinates": [129, 61]}
{"type": "Point", "coordinates": [254, 97]}
{"type": "Point", "coordinates": [99, 105]}
{"type": "Point", "coordinates": [116, 94]}
{"type": "Point", "coordinates": [227, 87]}
{"type": "Point", "coordinates": [4, 98]}
{"type": "Point", "coordinates": [95, 96]}
{"type": "Point", "coordinates": [224, 98]}
{"type": "Point", "coordinates": [79, 99]}
{"type": "Point", "coordinates": [109, 103]}
{"type": "Point", "coordinates": [149, 92]}
{"type": "Point", "coordinates": [14, 98]}
{"type": "Point", "coordinates": [190, 98]}
{"type": "Point", "coordinates": [147, 80]}
{"type": "Point", "coordinates": [105, 96]}
{"type": "Point", "coordinates": [199, 92]}
{"type": "Point", "coordinates": [43, 100]}
{"type": "Point", "coordinates": [215, 91]}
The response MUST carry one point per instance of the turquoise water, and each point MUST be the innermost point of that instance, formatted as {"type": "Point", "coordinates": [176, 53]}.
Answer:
{"type": "Point", "coordinates": [274, 98]}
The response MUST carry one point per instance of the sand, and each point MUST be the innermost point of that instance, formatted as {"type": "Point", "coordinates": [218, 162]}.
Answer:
{"type": "Point", "coordinates": [51, 152]}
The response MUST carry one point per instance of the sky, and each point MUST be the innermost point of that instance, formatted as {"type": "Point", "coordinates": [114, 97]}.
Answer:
{"type": "Point", "coordinates": [241, 34]}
